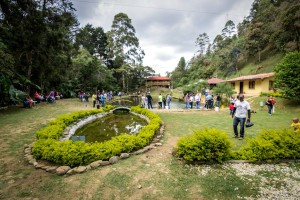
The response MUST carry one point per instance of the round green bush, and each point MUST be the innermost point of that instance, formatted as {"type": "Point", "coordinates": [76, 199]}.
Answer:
{"type": "Point", "coordinates": [207, 145]}
{"type": "Point", "coordinates": [273, 144]}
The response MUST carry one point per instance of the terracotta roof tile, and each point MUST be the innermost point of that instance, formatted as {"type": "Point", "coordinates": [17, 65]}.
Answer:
{"type": "Point", "coordinates": [158, 78]}
{"type": "Point", "coordinates": [214, 81]}
{"type": "Point", "coordinates": [252, 77]}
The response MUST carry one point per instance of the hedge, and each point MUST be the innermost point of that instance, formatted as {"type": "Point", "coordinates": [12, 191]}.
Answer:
{"type": "Point", "coordinates": [77, 153]}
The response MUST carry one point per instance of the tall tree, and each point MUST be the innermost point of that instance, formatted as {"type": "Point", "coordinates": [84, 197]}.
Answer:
{"type": "Point", "coordinates": [287, 75]}
{"type": "Point", "coordinates": [202, 42]}
{"type": "Point", "coordinates": [94, 40]}
{"type": "Point", "coordinates": [38, 35]}
{"type": "Point", "coordinates": [124, 44]}
{"type": "Point", "coordinates": [229, 29]}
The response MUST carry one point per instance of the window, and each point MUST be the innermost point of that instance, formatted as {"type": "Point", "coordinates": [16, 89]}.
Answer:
{"type": "Point", "coordinates": [271, 85]}
{"type": "Point", "coordinates": [233, 84]}
{"type": "Point", "coordinates": [251, 84]}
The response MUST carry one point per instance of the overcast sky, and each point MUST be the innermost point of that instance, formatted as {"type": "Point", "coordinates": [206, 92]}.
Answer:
{"type": "Point", "coordinates": [166, 29]}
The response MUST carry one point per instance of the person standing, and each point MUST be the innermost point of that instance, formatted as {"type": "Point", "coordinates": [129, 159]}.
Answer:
{"type": "Point", "coordinates": [149, 98]}
{"type": "Point", "coordinates": [192, 99]}
{"type": "Point", "coordinates": [197, 100]}
{"type": "Point", "coordinates": [186, 100]}
{"type": "Point", "coordinates": [94, 98]}
{"type": "Point", "coordinates": [240, 111]}
{"type": "Point", "coordinates": [218, 100]}
{"type": "Point", "coordinates": [143, 101]}
{"type": "Point", "coordinates": [269, 103]}
{"type": "Point", "coordinates": [160, 100]}
{"type": "Point", "coordinates": [169, 100]}
{"type": "Point", "coordinates": [164, 102]}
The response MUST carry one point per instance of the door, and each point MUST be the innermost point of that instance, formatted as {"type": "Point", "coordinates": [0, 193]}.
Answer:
{"type": "Point", "coordinates": [241, 87]}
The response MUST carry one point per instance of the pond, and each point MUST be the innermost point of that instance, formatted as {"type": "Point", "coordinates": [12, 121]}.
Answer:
{"type": "Point", "coordinates": [110, 126]}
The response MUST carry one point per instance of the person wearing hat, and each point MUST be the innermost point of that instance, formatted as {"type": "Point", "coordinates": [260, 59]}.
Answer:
{"type": "Point", "coordinates": [240, 112]}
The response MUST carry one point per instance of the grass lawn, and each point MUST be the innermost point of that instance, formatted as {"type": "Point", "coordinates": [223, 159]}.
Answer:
{"type": "Point", "coordinates": [152, 175]}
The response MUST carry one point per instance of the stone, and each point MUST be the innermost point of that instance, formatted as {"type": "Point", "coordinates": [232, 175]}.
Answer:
{"type": "Point", "coordinates": [39, 166]}
{"type": "Point", "coordinates": [80, 169]}
{"type": "Point", "coordinates": [31, 161]}
{"type": "Point", "coordinates": [158, 144]}
{"type": "Point", "coordinates": [104, 163]}
{"type": "Point", "coordinates": [44, 167]}
{"type": "Point", "coordinates": [88, 167]}
{"type": "Point", "coordinates": [96, 164]}
{"type": "Point", "coordinates": [27, 151]}
{"type": "Point", "coordinates": [62, 170]}
{"type": "Point", "coordinates": [51, 169]}
{"type": "Point", "coordinates": [71, 171]}
{"type": "Point", "coordinates": [114, 159]}
{"type": "Point", "coordinates": [35, 164]}
{"type": "Point", "coordinates": [124, 155]}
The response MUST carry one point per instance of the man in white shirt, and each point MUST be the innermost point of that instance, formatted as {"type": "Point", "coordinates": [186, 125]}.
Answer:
{"type": "Point", "coordinates": [240, 111]}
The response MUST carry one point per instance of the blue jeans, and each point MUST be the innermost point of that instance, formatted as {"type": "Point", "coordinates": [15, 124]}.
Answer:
{"type": "Point", "coordinates": [270, 108]}
{"type": "Point", "coordinates": [236, 121]}
{"type": "Point", "coordinates": [187, 105]}
{"type": "Point", "coordinates": [197, 104]}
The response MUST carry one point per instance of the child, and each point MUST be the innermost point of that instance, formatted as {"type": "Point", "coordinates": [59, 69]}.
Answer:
{"type": "Point", "coordinates": [296, 125]}
{"type": "Point", "coordinates": [231, 107]}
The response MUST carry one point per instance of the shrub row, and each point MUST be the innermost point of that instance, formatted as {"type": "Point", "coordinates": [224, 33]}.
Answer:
{"type": "Point", "coordinates": [272, 145]}
{"type": "Point", "coordinates": [80, 153]}
{"type": "Point", "coordinates": [207, 145]}
{"type": "Point", "coordinates": [212, 145]}
{"type": "Point", "coordinates": [271, 93]}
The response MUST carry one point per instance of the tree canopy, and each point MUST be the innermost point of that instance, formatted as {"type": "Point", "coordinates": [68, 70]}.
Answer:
{"type": "Point", "coordinates": [42, 48]}
{"type": "Point", "coordinates": [287, 75]}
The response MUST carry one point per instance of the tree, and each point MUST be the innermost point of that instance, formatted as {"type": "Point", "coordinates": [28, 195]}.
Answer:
{"type": "Point", "coordinates": [229, 29]}
{"type": "Point", "coordinates": [124, 44]}
{"type": "Point", "coordinates": [38, 34]}
{"type": "Point", "coordinates": [287, 75]}
{"type": "Point", "coordinates": [94, 40]}
{"type": "Point", "coordinates": [90, 72]}
{"type": "Point", "coordinates": [202, 42]}
{"type": "Point", "coordinates": [179, 72]}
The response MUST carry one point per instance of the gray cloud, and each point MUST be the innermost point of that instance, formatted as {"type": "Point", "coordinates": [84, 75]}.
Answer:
{"type": "Point", "coordinates": [167, 29]}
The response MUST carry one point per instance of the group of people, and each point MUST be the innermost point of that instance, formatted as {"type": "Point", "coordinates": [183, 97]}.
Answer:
{"type": "Point", "coordinates": [192, 99]}
{"type": "Point", "coordinates": [164, 102]}
{"type": "Point", "coordinates": [99, 98]}
{"type": "Point", "coordinates": [28, 102]}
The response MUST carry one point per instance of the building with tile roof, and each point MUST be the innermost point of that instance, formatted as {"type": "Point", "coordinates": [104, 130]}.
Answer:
{"type": "Point", "coordinates": [253, 84]}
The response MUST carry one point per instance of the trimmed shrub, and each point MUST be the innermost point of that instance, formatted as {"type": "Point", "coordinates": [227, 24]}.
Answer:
{"type": "Point", "coordinates": [77, 153]}
{"type": "Point", "coordinates": [207, 145]}
{"type": "Point", "coordinates": [272, 145]}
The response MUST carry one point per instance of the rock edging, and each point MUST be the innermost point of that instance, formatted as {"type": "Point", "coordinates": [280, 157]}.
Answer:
{"type": "Point", "coordinates": [67, 170]}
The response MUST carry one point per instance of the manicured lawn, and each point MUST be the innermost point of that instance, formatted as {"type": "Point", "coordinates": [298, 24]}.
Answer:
{"type": "Point", "coordinates": [152, 175]}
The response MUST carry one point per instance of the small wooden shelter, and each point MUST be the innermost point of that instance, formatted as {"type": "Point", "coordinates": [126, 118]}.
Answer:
{"type": "Point", "coordinates": [160, 81]}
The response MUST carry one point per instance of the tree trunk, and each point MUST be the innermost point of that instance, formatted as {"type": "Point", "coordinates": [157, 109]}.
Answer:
{"type": "Point", "coordinates": [123, 81]}
{"type": "Point", "coordinates": [29, 70]}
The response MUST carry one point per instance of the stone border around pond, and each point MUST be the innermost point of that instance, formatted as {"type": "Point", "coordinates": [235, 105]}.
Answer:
{"type": "Point", "coordinates": [66, 170]}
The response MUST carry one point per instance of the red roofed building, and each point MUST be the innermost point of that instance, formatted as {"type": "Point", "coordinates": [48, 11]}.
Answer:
{"type": "Point", "coordinates": [160, 81]}
{"type": "Point", "coordinates": [214, 81]}
{"type": "Point", "coordinates": [253, 84]}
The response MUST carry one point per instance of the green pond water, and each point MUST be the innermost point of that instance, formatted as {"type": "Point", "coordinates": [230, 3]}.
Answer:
{"type": "Point", "coordinates": [110, 126]}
